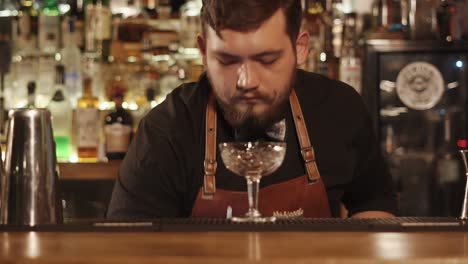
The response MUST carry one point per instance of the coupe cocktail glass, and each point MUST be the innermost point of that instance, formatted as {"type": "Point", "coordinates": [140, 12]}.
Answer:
{"type": "Point", "coordinates": [252, 160]}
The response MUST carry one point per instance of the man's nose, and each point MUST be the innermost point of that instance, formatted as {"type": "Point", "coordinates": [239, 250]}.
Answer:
{"type": "Point", "coordinates": [248, 78]}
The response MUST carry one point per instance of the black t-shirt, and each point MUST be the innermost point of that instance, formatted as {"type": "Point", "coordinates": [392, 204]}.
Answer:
{"type": "Point", "coordinates": [163, 169]}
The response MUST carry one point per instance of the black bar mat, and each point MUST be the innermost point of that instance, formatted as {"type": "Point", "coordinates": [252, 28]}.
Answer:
{"type": "Point", "coordinates": [214, 224]}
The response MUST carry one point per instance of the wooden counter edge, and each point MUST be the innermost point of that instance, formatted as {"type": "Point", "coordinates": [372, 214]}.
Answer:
{"type": "Point", "coordinates": [89, 171]}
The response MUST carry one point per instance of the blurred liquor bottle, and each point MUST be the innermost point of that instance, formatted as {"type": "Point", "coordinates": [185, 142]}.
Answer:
{"type": "Point", "coordinates": [87, 124]}
{"type": "Point", "coordinates": [335, 11]}
{"type": "Point", "coordinates": [8, 14]}
{"type": "Point", "coordinates": [446, 21]}
{"type": "Point", "coordinates": [61, 110]}
{"type": "Point", "coordinates": [49, 46]}
{"type": "Point", "coordinates": [25, 53]}
{"type": "Point", "coordinates": [150, 8]}
{"type": "Point", "coordinates": [118, 126]}
{"type": "Point", "coordinates": [71, 59]}
{"type": "Point", "coordinates": [390, 19]}
{"type": "Point", "coordinates": [423, 20]}
{"type": "Point", "coordinates": [327, 62]}
{"type": "Point", "coordinates": [164, 9]}
{"type": "Point", "coordinates": [98, 28]}
{"type": "Point", "coordinates": [77, 12]}
{"type": "Point", "coordinates": [190, 23]}
{"type": "Point", "coordinates": [312, 10]}
{"type": "Point", "coordinates": [49, 27]}
{"type": "Point", "coordinates": [116, 84]}
{"type": "Point", "coordinates": [27, 36]}
{"type": "Point", "coordinates": [350, 61]}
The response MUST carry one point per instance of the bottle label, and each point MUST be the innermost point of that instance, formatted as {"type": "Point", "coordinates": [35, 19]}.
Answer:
{"type": "Point", "coordinates": [117, 137]}
{"type": "Point", "coordinates": [103, 23]}
{"type": "Point", "coordinates": [49, 33]}
{"type": "Point", "coordinates": [87, 125]}
{"type": "Point", "coordinates": [90, 28]}
{"type": "Point", "coordinates": [73, 84]}
{"type": "Point", "coordinates": [351, 74]}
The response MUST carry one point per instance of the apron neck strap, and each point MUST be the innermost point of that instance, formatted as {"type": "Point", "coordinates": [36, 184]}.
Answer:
{"type": "Point", "coordinates": [210, 164]}
{"type": "Point", "coordinates": [307, 151]}
{"type": "Point", "coordinates": [209, 182]}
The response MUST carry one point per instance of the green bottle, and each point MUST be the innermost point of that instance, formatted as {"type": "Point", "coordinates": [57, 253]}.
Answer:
{"type": "Point", "coordinates": [61, 110]}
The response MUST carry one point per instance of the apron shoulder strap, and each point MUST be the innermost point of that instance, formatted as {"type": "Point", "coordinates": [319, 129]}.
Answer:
{"type": "Point", "coordinates": [210, 164]}
{"type": "Point", "coordinates": [209, 182]}
{"type": "Point", "coordinates": [307, 150]}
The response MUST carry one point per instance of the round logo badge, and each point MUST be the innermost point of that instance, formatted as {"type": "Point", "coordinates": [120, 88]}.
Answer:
{"type": "Point", "coordinates": [420, 85]}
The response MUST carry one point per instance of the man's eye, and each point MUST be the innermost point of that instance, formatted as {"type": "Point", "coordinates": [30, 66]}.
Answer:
{"type": "Point", "coordinates": [267, 61]}
{"type": "Point", "coordinates": [227, 62]}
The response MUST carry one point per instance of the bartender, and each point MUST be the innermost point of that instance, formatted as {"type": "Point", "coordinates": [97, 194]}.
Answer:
{"type": "Point", "coordinates": [252, 90]}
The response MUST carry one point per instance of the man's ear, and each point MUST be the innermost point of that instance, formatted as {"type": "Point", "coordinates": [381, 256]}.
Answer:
{"type": "Point", "coordinates": [302, 47]}
{"type": "Point", "coordinates": [202, 47]}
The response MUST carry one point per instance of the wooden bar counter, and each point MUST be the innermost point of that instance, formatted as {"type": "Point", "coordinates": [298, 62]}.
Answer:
{"type": "Point", "coordinates": [233, 247]}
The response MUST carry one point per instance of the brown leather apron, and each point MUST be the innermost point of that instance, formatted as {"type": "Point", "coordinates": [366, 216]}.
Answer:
{"type": "Point", "coordinates": [305, 192]}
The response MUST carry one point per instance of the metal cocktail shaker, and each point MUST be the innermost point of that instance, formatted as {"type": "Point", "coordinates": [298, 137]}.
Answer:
{"type": "Point", "coordinates": [463, 144]}
{"type": "Point", "coordinates": [29, 182]}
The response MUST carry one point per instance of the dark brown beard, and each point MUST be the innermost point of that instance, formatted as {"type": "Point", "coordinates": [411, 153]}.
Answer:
{"type": "Point", "coordinates": [246, 120]}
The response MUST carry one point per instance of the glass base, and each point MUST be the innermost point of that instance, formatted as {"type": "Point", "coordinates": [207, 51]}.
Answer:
{"type": "Point", "coordinates": [253, 219]}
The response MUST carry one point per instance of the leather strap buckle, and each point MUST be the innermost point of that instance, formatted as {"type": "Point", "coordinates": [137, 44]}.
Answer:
{"type": "Point", "coordinates": [210, 167]}
{"type": "Point", "coordinates": [209, 181]}
{"type": "Point", "coordinates": [312, 181]}
{"type": "Point", "coordinates": [308, 154]}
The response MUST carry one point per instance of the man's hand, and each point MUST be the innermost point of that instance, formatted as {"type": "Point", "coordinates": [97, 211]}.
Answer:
{"type": "Point", "coordinates": [373, 214]}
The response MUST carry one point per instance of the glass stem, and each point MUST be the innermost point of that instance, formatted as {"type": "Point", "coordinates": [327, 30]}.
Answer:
{"type": "Point", "coordinates": [253, 184]}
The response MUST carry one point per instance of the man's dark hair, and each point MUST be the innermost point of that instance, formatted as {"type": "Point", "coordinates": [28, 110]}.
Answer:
{"type": "Point", "coordinates": [246, 15]}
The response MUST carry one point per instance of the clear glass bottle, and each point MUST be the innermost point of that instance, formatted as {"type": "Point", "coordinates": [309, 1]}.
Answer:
{"type": "Point", "coordinates": [49, 27]}
{"type": "Point", "coordinates": [46, 63]}
{"type": "Point", "coordinates": [25, 61]}
{"type": "Point", "coordinates": [87, 124]}
{"type": "Point", "coordinates": [62, 112]}
{"type": "Point", "coordinates": [350, 61]}
{"type": "Point", "coordinates": [335, 9]}
{"type": "Point", "coordinates": [98, 28]}
{"type": "Point", "coordinates": [190, 23]}
{"type": "Point", "coordinates": [27, 39]}
{"type": "Point", "coordinates": [118, 126]}
{"type": "Point", "coordinates": [327, 62]}
{"type": "Point", "coordinates": [71, 59]}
